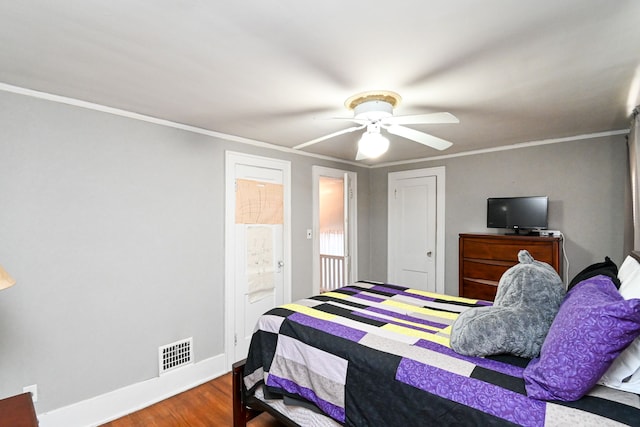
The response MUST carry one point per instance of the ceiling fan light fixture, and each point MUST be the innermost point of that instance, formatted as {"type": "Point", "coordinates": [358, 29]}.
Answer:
{"type": "Point", "coordinates": [373, 144]}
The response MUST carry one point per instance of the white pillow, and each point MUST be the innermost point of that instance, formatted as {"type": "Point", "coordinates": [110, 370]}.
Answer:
{"type": "Point", "coordinates": [628, 267]}
{"type": "Point", "coordinates": [630, 287]}
{"type": "Point", "coordinates": [624, 373]}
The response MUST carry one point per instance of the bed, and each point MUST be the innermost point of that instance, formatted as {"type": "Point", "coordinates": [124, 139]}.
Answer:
{"type": "Point", "coordinates": [378, 354]}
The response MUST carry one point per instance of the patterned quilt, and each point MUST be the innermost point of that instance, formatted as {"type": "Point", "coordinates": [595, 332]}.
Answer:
{"type": "Point", "coordinates": [374, 354]}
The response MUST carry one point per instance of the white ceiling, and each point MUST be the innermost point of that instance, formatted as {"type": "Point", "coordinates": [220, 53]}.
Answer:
{"type": "Point", "coordinates": [274, 71]}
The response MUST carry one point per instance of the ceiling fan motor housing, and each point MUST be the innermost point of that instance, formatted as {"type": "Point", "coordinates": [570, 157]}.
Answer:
{"type": "Point", "coordinates": [373, 110]}
{"type": "Point", "coordinates": [373, 105]}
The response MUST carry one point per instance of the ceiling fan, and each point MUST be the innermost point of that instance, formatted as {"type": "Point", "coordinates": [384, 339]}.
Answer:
{"type": "Point", "coordinates": [374, 111]}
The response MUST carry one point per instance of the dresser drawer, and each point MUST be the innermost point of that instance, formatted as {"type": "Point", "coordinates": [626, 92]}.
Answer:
{"type": "Point", "coordinates": [478, 290]}
{"type": "Point", "coordinates": [487, 270]}
{"type": "Point", "coordinates": [507, 251]}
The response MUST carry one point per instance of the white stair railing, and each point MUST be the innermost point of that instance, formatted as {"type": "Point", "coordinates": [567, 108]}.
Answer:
{"type": "Point", "coordinates": [332, 272]}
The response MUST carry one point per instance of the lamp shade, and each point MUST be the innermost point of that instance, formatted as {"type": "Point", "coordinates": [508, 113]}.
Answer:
{"type": "Point", "coordinates": [373, 144]}
{"type": "Point", "coordinates": [5, 280]}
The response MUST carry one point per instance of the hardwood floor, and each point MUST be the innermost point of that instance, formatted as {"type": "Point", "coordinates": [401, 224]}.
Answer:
{"type": "Point", "coordinates": [208, 405]}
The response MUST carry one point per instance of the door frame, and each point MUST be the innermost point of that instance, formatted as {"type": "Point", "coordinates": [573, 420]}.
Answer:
{"type": "Point", "coordinates": [352, 223]}
{"type": "Point", "coordinates": [439, 173]}
{"type": "Point", "coordinates": [233, 158]}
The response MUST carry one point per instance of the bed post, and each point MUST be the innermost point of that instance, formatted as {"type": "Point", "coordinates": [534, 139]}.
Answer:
{"type": "Point", "coordinates": [239, 408]}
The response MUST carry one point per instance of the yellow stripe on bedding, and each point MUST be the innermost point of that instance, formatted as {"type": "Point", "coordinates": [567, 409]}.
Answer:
{"type": "Point", "coordinates": [415, 333]}
{"type": "Point", "coordinates": [309, 311]}
{"type": "Point", "coordinates": [416, 324]}
{"type": "Point", "coordinates": [441, 296]}
{"type": "Point", "coordinates": [414, 309]}
{"type": "Point", "coordinates": [338, 295]}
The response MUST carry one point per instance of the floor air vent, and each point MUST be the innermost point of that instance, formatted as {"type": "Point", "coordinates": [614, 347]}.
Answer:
{"type": "Point", "coordinates": [175, 355]}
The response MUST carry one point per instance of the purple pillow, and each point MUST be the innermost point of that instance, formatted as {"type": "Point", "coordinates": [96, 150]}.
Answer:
{"type": "Point", "coordinates": [594, 324]}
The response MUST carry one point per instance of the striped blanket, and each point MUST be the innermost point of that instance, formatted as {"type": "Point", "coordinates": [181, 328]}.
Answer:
{"type": "Point", "coordinates": [373, 354]}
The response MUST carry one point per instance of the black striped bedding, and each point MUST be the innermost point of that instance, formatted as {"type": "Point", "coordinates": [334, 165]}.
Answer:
{"type": "Point", "coordinates": [374, 354]}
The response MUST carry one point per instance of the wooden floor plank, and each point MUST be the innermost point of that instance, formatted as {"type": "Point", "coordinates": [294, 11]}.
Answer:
{"type": "Point", "coordinates": [208, 405]}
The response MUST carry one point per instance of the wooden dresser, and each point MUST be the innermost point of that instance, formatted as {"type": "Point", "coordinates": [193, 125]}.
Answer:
{"type": "Point", "coordinates": [18, 411]}
{"type": "Point", "coordinates": [485, 257]}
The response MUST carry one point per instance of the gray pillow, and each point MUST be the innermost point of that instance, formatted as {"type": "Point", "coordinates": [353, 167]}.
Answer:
{"type": "Point", "coordinates": [528, 298]}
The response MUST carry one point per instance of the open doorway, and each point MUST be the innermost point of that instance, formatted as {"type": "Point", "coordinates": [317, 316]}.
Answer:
{"type": "Point", "coordinates": [331, 234]}
{"type": "Point", "coordinates": [334, 249]}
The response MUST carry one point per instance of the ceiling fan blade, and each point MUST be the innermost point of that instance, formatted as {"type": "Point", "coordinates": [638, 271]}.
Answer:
{"type": "Point", "coordinates": [360, 156]}
{"type": "Point", "coordinates": [417, 119]}
{"type": "Point", "coordinates": [421, 137]}
{"type": "Point", "coordinates": [331, 135]}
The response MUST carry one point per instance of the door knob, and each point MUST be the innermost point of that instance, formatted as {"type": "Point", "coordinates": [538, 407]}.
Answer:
{"type": "Point", "coordinates": [429, 253]}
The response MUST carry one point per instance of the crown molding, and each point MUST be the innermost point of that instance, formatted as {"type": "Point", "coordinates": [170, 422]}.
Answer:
{"type": "Point", "coordinates": [233, 138]}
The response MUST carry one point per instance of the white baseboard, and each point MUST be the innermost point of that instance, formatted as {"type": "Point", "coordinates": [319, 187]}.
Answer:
{"type": "Point", "coordinates": [115, 404]}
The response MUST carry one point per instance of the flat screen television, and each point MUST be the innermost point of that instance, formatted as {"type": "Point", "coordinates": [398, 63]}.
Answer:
{"type": "Point", "coordinates": [518, 213]}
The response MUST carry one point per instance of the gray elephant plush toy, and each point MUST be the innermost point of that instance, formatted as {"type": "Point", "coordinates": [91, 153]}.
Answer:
{"type": "Point", "coordinates": [528, 298]}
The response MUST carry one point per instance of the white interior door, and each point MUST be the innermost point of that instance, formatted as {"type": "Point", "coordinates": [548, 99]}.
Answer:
{"type": "Point", "coordinates": [413, 235]}
{"type": "Point", "coordinates": [256, 243]}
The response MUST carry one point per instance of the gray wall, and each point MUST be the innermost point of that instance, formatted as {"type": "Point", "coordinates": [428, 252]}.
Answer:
{"type": "Point", "coordinates": [114, 231]}
{"type": "Point", "coordinates": [587, 183]}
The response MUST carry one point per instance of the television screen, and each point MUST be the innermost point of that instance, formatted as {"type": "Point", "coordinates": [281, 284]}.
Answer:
{"type": "Point", "coordinates": [529, 213]}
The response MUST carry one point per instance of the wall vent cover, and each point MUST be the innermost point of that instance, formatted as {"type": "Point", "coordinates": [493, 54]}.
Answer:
{"type": "Point", "coordinates": [175, 355]}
